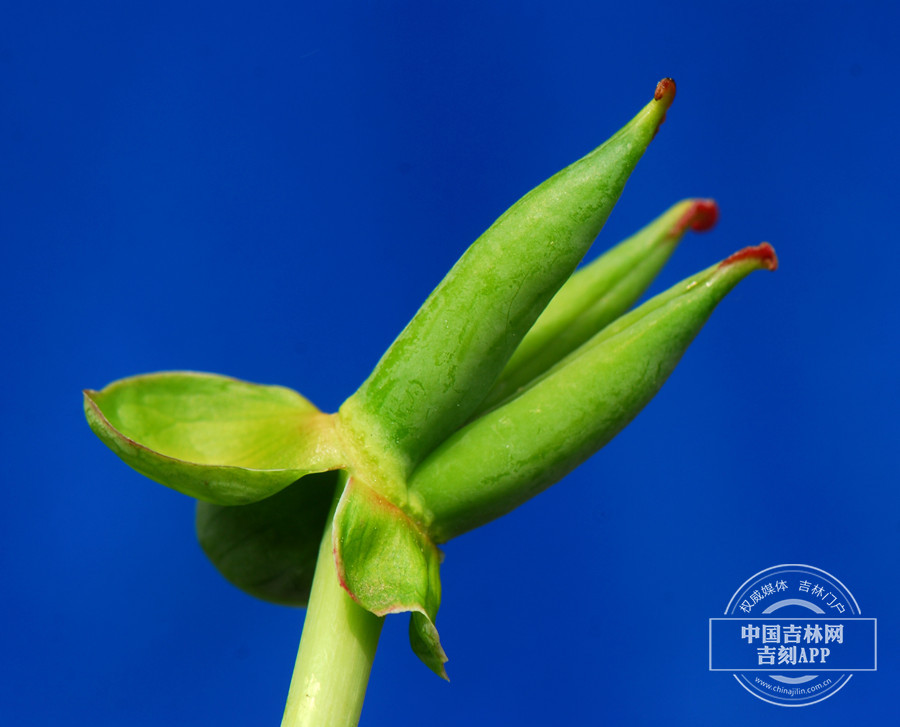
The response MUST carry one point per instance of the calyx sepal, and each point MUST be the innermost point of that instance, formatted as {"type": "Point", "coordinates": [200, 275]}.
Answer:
{"type": "Point", "coordinates": [215, 438]}
{"type": "Point", "coordinates": [388, 564]}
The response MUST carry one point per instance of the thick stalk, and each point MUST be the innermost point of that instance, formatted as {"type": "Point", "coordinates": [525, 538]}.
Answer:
{"type": "Point", "coordinates": [336, 651]}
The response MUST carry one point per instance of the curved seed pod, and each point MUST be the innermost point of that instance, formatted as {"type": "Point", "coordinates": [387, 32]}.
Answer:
{"type": "Point", "coordinates": [444, 362]}
{"type": "Point", "coordinates": [598, 294]}
{"type": "Point", "coordinates": [517, 450]}
{"type": "Point", "coordinates": [212, 437]}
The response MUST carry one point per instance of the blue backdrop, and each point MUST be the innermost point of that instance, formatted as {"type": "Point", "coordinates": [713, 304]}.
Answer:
{"type": "Point", "coordinates": [269, 190]}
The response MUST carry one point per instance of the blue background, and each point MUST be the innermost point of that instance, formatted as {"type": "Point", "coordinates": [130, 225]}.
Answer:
{"type": "Point", "coordinates": [269, 190]}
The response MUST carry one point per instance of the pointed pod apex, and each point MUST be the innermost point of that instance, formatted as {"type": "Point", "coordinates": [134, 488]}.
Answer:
{"type": "Point", "coordinates": [665, 91]}
{"type": "Point", "coordinates": [664, 95]}
{"type": "Point", "coordinates": [763, 255]}
{"type": "Point", "coordinates": [701, 216]}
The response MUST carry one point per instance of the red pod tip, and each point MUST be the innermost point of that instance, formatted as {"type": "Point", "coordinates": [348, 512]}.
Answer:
{"type": "Point", "coordinates": [665, 91]}
{"type": "Point", "coordinates": [664, 94]}
{"type": "Point", "coordinates": [763, 252]}
{"type": "Point", "coordinates": [701, 216]}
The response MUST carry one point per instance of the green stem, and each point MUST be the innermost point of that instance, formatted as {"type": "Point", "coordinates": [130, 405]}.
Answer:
{"type": "Point", "coordinates": [336, 650]}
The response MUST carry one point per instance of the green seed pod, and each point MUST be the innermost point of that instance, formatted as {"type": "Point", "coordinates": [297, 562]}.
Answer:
{"type": "Point", "coordinates": [519, 449]}
{"type": "Point", "coordinates": [598, 294]}
{"type": "Point", "coordinates": [442, 365]}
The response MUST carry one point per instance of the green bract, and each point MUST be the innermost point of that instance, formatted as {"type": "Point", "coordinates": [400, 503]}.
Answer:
{"type": "Point", "coordinates": [389, 564]}
{"type": "Point", "coordinates": [269, 548]}
{"type": "Point", "coordinates": [212, 437]}
{"type": "Point", "coordinates": [513, 372]}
